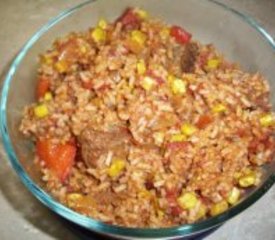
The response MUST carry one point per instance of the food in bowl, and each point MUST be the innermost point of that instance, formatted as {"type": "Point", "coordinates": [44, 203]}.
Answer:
{"type": "Point", "coordinates": [136, 124]}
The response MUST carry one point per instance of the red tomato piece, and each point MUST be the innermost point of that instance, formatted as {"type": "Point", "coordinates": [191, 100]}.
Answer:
{"type": "Point", "coordinates": [178, 145]}
{"type": "Point", "coordinates": [42, 87]}
{"type": "Point", "coordinates": [204, 121]}
{"type": "Point", "coordinates": [87, 85]}
{"type": "Point", "coordinates": [181, 35]}
{"type": "Point", "coordinates": [129, 19]}
{"type": "Point", "coordinates": [59, 158]}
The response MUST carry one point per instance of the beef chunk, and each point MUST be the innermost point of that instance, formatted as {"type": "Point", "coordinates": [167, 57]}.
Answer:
{"type": "Point", "coordinates": [95, 143]}
{"type": "Point", "coordinates": [188, 57]}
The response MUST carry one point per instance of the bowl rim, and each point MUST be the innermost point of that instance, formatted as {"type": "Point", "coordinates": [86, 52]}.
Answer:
{"type": "Point", "coordinates": [87, 222]}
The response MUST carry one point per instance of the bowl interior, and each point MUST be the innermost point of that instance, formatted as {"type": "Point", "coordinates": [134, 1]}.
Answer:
{"type": "Point", "coordinates": [232, 34]}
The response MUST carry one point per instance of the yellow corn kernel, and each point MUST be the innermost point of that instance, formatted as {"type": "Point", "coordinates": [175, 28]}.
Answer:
{"type": "Point", "coordinates": [178, 86]}
{"type": "Point", "coordinates": [41, 111]}
{"type": "Point", "coordinates": [74, 196]}
{"type": "Point", "coordinates": [218, 208]}
{"type": "Point", "coordinates": [158, 137]}
{"type": "Point", "coordinates": [188, 129]}
{"type": "Point", "coordinates": [144, 194]}
{"type": "Point", "coordinates": [237, 175]}
{"type": "Point", "coordinates": [247, 180]}
{"type": "Point", "coordinates": [99, 35]}
{"type": "Point", "coordinates": [48, 96]}
{"type": "Point", "coordinates": [83, 49]}
{"type": "Point", "coordinates": [165, 33]}
{"type": "Point", "coordinates": [148, 83]}
{"type": "Point", "coordinates": [138, 37]}
{"type": "Point", "coordinates": [141, 13]}
{"type": "Point", "coordinates": [116, 167]}
{"type": "Point", "coordinates": [178, 138]}
{"type": "Point", "coordinates": [72, 199]}
{"type": "Point", "coordinates": [213, 64]}
{"type": "Point", "coordinates": [141, 67]}
{"type": "Point", "coordinates": [46, 60]}
{"type": "Point", "coordinates": [267, 120]}
{"type": "Point", "coordinates": [102, 23]}
{"type": "Point", "coordinates": [234, 196]}
{"type": "Point", "coordinates": [201, 212]}
{"type": "Point", "coordinates": [160, 214]}
{"type": "Point", "coordinates": [219, 108]}
{"type": "Point", "coordinates": [61, 66]}
{"type": "Point", "coordinates": [187, 200]}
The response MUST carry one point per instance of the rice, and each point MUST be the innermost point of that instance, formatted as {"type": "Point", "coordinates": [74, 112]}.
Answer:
{"type": "Point", "coordinates": [114, 148]}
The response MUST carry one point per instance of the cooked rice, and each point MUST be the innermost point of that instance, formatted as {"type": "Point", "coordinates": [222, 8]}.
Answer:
{"type": "Point", "coordinates": [101, 88]}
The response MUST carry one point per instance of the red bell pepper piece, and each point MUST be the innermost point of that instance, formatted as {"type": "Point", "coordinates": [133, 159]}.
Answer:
{"type": "Point", "coordinates": [59, 158]}
{"type": "Point", "coordinates": [204, 121]}
{"type": "Point", "coordinates": [42, 87]}
{"type": "Point", "coordinates": [129, 19]}
{"type": "Point", "coordinates": [181, 35]}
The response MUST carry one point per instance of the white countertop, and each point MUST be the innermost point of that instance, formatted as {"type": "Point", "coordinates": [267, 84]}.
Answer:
{"type": "Point", "coordinates": [21, 215]}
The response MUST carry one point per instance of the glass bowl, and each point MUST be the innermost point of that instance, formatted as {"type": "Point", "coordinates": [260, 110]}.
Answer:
{"type": "Point", "coordinates": [239, 37]}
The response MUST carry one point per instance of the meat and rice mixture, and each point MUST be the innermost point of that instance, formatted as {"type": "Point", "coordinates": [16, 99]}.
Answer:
{"type": "Point", "coordinates": [136, 124]}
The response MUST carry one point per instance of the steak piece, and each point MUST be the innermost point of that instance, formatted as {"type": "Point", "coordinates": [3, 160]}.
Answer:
{"type": "Point", "coordinates": [96, 143]}
{"type": "Point", "coordinates": [189, 57]}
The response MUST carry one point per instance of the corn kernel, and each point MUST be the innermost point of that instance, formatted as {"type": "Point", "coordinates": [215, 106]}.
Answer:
{"type": "Point", "coordinates": [187, 200]}
{"type": "Point", "coordinates": [141, 67]}
{"type": "Point", "coordinates": [148, 83]}
{"type": "Point", "coordinates": [83, 49]}
{"type": "Point", "coordinates": [46, 60]}
{"type": "Point", "coordinates": [213, 64]}
{"type": "Point", "coordinates": [267, 120]}
{"type": "Point", "coordinates": [48, 96]}
{"type": "Point", "coordinates": [178, 138]}
{"type": "Point", "coordinates": [99, 35]}
{"type": "Point", "coordinates": [41, 111]}
{"type": "Point", "coordinates": [165, 33]}
{"type": "Point", "coordinates": [219, 108]}
{"type": "Point", "coordinates": [237, 175]}
{"type": "Point", "coordinates": [158, 137]}
{"type": "Point", "coordinates": [247, 180]}
{"type": "Point", "coordinates": [218, 208]}
{"type": "Point", "coordinates": [141, 13]}
{"type": "Point", "coordinates": [160, 214]}
{"type": "Point", "coordinates": [102, 24]}
{"type": "Point", "coordinates": [201, 212]}
{"type": "Point", "coordinates": [188, 129]}
{"type": "Point", "coordinates": [233, 196]}
{"type": "Point", "coordinates": [61, 66]}
{"type": "Point", "coordinates": [73, 198]}
{"type": "Point", "coordinates": [138, 37]}
{"type": "Point", "coordinates": [116, 167]}
{"type": "Point", "coordinates": [144, 194]}
{"type": "Point", "coordinates": [178, 87]}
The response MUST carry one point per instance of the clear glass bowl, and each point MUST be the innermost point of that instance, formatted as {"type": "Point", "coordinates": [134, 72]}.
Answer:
{"type": "Point", "coordinates": [239, 37]}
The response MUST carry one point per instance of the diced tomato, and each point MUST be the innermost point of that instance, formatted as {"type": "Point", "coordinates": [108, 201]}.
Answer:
{"type": "Point", "coordinates": [242, 132]}
{"type": "Point", "coordinates": [178, 145]}
{"type": "Point", "coordinates": [87, 85]}
{"type": "Point", "coordinates": [181, 35]}
{"type": "Point", "coordinates": [129, 19]}
{"type": "Point", "coordinates": [171, 196]}
{"type": "Point", "coordinates": [204, 121]}
{"type": "Point", "coordinates": [42, 87]}
{"type": "Point", "coordinates": [176, 211]}
{"type": "Point", "coordinates": [59, 158]}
